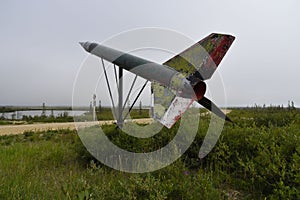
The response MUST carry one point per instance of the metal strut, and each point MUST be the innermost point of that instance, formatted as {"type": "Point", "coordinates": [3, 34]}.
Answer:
{"type": "Point", "coordinates": [120, 120]}
{"type": "Point", "coordinates": [109, 90]}
{"type": "Point", "coordinates": [129, 93]}
{"type": "Point", "coordinates": [119, 83]}
{"type": "Point", "coordinates": [136, 98]}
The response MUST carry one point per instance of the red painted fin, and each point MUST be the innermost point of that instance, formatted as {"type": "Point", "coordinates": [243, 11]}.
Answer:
{"type": "Point", "coordinates": [199, 61]}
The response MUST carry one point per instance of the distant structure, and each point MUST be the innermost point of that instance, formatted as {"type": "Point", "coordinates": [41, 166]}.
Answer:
{"type": "Point", "coordinates": [44, 109]}
{"type": "Point", "coordinates": [94, 107]}
{"type": "Point", "coordinates": [140, 110]}
{"type": "Point", "coordinates": [13, 116]}
{"type": "Point", "coordinates": [17, 114]}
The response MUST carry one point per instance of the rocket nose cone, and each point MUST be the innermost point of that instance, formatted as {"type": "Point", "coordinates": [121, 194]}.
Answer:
{"type": "Point", "coordinates": [82, 43]}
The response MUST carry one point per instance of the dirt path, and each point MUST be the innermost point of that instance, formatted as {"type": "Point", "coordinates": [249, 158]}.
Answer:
{"type": "Point", "coordinates": [19, 129]}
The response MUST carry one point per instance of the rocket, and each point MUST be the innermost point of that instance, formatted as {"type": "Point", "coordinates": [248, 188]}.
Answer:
{"type": "Point", "coordinates": [179, 81]}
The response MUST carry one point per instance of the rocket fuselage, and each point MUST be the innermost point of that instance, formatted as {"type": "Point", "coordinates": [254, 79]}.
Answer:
{"type": "Point", "coordinates": [151, 71]}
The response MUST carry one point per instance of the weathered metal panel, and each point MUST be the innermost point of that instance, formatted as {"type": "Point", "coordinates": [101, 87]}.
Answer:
{"type": "Point", "coordinates": [163, 98]}
{"type": "Point", "coordinates": [178, 106]}
{"type": "Point", "coordinates": [201, 60]}
{"type": "Point", "coordinates": [168, 107]}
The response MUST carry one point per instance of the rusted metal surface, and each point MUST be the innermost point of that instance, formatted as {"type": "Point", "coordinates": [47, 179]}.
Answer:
{"type": "Point", "coordinates": [178, 106]}
{"type": "Point", "coordinates": [168, 107]}
{"type": "Point", "coordinates": [201, 60]}
{"type": "Point", "coordinates": [163, 98]}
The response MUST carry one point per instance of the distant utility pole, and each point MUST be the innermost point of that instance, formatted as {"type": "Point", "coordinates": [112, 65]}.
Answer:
{"type": "Point", "coordinates": [94, 107]}
{"type": "Point", "coordinates": [292, 105]}
{"type": "Point", "coordinates": [44, 110]}
{"type": "Point", "coordinates": [99, 106]}
{"type": "Point", "coordinates": [140, 112]}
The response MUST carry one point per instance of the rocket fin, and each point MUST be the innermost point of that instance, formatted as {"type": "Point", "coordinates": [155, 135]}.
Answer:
{"type": "Point", "coordinates": [208, 104]}
{"type": "Point", "coordinates": [200, 61]}
{"type": "Point", "coordinates": [168, 107]}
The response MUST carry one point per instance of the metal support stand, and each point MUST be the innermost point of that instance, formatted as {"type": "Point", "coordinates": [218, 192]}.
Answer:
{"type": "Point", "coordinates": [120, 119]}
{"type": "Point", "coordinates": [118, 112]}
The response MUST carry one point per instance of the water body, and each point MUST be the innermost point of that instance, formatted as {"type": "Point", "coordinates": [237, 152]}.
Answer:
{"type": "Point", "coordinates": [56, 113]}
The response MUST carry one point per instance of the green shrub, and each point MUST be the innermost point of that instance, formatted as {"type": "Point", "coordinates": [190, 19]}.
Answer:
{"type": "Point", "coordinates": [256, 157]}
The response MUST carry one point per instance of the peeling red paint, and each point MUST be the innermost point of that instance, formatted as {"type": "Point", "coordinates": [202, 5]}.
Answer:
{"type": "Point", "coordinates": [219, 52]}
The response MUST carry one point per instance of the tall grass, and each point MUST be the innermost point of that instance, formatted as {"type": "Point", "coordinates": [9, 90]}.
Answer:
{"type": "Point", "coordinates": [46, 165]}
{"type": "Point", "coordinates": [250, 161]}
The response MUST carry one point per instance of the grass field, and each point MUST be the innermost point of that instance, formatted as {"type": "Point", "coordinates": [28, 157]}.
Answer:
{"type": "Point", "coordinates": [257, 157]}
{"type": "Point", "coordinates": [104, 114]}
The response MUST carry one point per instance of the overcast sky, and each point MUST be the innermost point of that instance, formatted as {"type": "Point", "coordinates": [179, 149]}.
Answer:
{"type": "Point", "coordinates": [40, 55]}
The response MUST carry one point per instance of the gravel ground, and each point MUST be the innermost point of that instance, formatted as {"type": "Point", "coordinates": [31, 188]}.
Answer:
{"type": "Point", "coordinates": [19, 129]}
